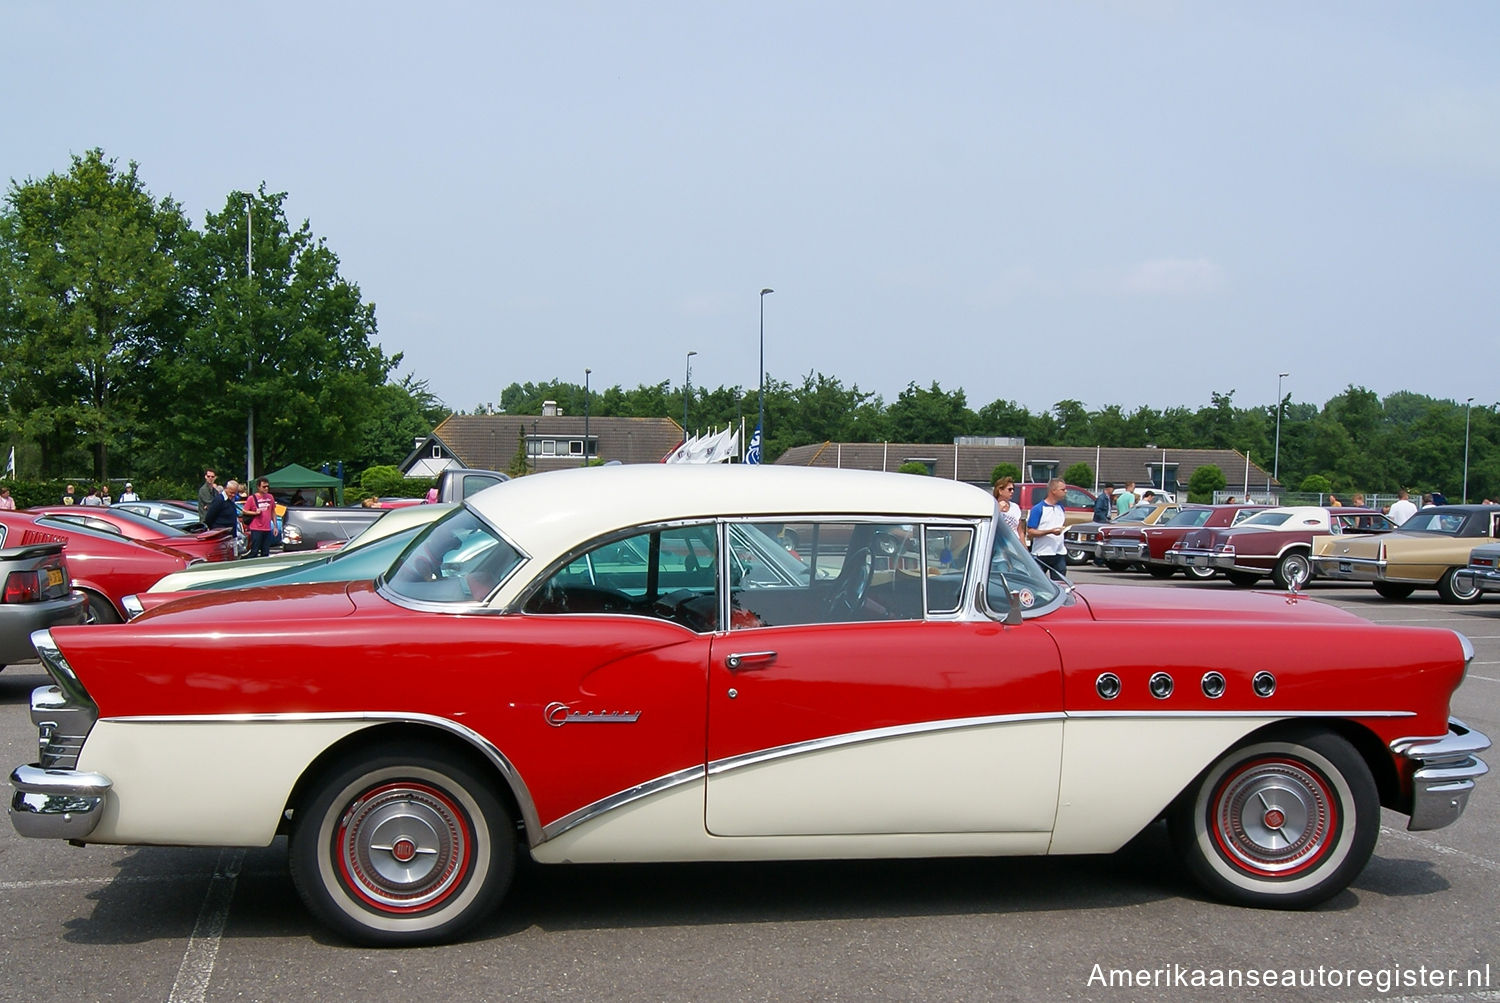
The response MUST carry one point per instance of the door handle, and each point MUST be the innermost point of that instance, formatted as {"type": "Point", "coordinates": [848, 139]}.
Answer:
{"type": "Point", "coordinates": [744, 661]}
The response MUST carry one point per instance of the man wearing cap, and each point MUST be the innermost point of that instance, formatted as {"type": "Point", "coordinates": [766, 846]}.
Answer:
{"type": "Point", "coordinates": [129, 493]}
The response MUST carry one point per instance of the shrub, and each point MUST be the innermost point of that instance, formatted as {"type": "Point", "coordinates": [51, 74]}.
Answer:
{"type": "Point", "coordinates": [1081, 474]}
{"type": "Point", "coordinates": [1205, 481]}
{"type": "Point", "coordinates": [1005, 470]}
{"type": "Point", "coordinates": [912, 467]}
{"type": "Point", "coordinates": [1316, 484]}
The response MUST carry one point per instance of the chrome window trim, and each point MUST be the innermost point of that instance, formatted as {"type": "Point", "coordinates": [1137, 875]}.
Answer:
{"type": "Point", "coordinates": [474, 605]}
{"type": "Point", "coordinates": [490, 751]}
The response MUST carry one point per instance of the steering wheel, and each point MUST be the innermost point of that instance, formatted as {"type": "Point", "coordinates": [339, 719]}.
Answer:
{"type": "Point", "coordinates": [854, 581]}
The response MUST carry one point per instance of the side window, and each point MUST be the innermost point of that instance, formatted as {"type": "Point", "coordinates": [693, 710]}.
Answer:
{"type": "Point", "coordinates": [671, 574]}
{"type": "Point", "coordinates": [946, 567]}
{"type": "Point", "coordinates": [792, 573]}
{"type": "Point", "coordinates": [1073, 498]}
{"type": "Point", "coordinates": [478, 482]}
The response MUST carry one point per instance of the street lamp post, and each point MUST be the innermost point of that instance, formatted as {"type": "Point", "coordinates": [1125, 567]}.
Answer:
{"type": "Point", "coordinates": [1276, 460]}
{"type": "Point", "coordinates": [687, 391]}
{"type": "Point", "coordinates": [586, 416]}
{"type": "Point", "coordinates": [250, 406]}
{"type": "Point", "coordinates": [760, 414]}
{"type": "Point", "coordinates": [1467, 405]}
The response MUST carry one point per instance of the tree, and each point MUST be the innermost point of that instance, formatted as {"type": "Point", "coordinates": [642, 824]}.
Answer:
{"type": "Point", "coordinates": [931, 415]}
{"type": "Point", "coordinates": [285, 350]}
{"type": "Point", "coordinates": [94, 291]}
{"type": "Point", "coordinates": [1316, 484]}
{"type": "Point", "coordinates": [1205, 481]}
{"type": "Point", "coordinates": [1005, 470]}
{"type": "Point", "coordinates": [912, 467]}
{"type": "Point", "coordinates": [1081, 474]}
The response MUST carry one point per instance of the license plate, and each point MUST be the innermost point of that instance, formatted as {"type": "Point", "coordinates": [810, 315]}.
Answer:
{"type": "Point", "coordinates": [54, 577]}
{"type": "Point", "coordinates": [1345, 568]}
{"type": "Point", "coordinates": [1193, 560]}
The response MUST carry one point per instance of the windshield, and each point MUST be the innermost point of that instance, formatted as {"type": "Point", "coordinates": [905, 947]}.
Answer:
{"type": "Point", "coordinates": [458, 559]}
{"type": "Point", "coordinates": [1137, 514]}
{"type": "Point", "coordinates": [1267, 519]}
{"type": "Point", "coordinates": [1435, 520]}
{"type": "Point", "coordinates": [1190, 517]}
{"type": "Point", "coordinates": [1012, 569]}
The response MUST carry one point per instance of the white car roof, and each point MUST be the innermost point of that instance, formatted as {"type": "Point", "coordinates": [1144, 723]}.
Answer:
{"type": "Point", "coordinates": [1301, 515]}
{"type": "Point", "coordinates": [549, 513]}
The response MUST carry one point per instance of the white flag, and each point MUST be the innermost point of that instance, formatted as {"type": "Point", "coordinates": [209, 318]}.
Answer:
{"type": "Point", "coordinates": [10, 464]}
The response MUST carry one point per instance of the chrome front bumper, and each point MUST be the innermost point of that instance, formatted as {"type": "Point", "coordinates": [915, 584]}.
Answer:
{"type": "Point", "coordinates": [1446, 768]}
{"type": "Point", "coordinates": [56, 804]}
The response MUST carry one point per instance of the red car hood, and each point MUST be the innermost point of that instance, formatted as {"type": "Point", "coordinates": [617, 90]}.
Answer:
{"type": "Point", "coordinates": [1126, 602]}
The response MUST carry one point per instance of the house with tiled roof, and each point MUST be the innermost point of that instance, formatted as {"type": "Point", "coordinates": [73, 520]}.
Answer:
{"type": "Point", "coordinates": [551, 440]}
{"type": "Point", "coordinates": [972, 460]}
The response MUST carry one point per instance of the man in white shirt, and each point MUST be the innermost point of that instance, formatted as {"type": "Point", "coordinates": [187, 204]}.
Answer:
{"type": "Point", "coordinates": [1044, 528]}
{"type": "Point", "coordinates": [1402, 509]}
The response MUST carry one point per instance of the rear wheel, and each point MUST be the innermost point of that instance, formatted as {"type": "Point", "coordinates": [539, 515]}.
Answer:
{"type": "Point", "coordinates": [406, 847]}
{"type": "Point", "coordinates": [1077, 557]}
{"type": "Point", "coordinates": [1285, 822]}
{"type": "Point", "coordinates": [1160, 570]}
{"type": "Point", "coordinates": [100, 609]}
{"type": "Point", "coordinates": [1244, 579]}
{"type": "Point", "coordinates": [1117, 565]}
{"type": "Point", "coordinates": [1393, 590]}
{"type": "Point", "coordinates": [1451, 592]}
{"type": "Point", "coordinates": [1293, 570]}
{"type": "Point", "coordinates": [1199, 574]}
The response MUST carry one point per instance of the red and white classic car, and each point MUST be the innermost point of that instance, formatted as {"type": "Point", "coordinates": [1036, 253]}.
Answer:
{"type": "Point", "coordinates": [663, 663]}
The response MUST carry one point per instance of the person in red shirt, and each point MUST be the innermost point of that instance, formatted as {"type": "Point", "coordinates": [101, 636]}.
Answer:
{"type": "Point", "coordinates": [262, 505]}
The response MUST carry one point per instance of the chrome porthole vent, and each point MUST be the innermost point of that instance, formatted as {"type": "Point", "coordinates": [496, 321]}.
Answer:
{"type": "Point", "coordinates": [1107, 686]}
{"type": "Point", "coordinates": [1161, 685]}
{"type": "Point", "coordinates": [1264, 684]}
{"type": "Point", "coordinates": [1213, 685]}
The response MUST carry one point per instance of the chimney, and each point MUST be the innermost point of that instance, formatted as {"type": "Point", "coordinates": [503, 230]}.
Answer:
{"type": "Point", "coordinates": [549, 409]}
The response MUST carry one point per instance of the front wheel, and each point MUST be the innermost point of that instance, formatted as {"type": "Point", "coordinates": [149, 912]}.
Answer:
{"type": "Point", "coordinates": [405, 847]}
{"type": "Point", "coordinates": [1451, 592]}
{"type": "Point", "coordinates": [1285, 822]}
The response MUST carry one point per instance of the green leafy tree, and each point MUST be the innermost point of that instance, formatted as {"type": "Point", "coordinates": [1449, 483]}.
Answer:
{"type": "Point", "coordinates": [1316, 484]}
{"type": "Point", "coordinates": [93, 291]}
{"type": "Point", "coordinates": [1205, 481]}
{"type": "Point", "coordinates": [1081, 474]}
{"type": "Point", "coordinates": [912, 467]}
{"type": "Point", "coordinates": [1005, 470]}
{"type": "Point", "coordinates": [284, 351]}
{"type": "Point", "coordinates": [930, 415]}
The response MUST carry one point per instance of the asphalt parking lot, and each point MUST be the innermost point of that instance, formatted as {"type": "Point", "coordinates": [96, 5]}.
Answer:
{"type": "Point", "coordinates": [110, 923]}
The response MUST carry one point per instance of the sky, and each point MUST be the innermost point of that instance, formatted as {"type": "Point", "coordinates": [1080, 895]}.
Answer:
{"type": "Point", "coordinates": [1133, 202]}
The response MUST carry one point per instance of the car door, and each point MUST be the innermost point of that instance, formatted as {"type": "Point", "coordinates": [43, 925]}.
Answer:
{"type": "Point", "coordinates": [831, 714]}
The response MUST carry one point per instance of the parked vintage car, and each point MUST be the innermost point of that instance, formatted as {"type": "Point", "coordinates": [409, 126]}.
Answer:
{"type": "Point", "coordinates": [36, 592]}
{"type": "Point", "coordinates": [105, 567]}
{"type": "Point", "coordinates": [178, 515]}
{"type": "Point", "coordinates": [308, 527]}
{"type": "Point", "coordinates": [1122, 546]}
{"type": "Point", "coordinates": [1276, 542]}
{"type": "Point", "coordinates": [1483, 572]}
{"type": "Point", "coordinates": [1082, 539]}
{"type": "Point", "coordinates": [205, 545]}
{"type": "Point", "coordinates": [1428, 551]}
{"type": "Point", "coordinates": [604, 664]}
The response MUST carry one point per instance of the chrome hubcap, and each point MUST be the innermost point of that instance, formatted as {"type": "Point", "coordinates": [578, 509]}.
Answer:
{"type": "Point", "coordinates": [1274, 817]}
{"type": "Point", "coordinates": [403, 847]}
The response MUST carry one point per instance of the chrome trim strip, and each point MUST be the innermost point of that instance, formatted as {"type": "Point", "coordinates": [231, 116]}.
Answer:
{"type": "Point", "coordinates": [873, 735]}
{"type": "Point", "coordinates": [619, 800]}
{"type": "Point", "coordinates": [491, 752]}
{"type": "Point", "coordinates": [1272, 713]}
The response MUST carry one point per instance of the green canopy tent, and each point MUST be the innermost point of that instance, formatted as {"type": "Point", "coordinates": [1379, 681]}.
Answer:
{"type": "Point", "coordinates": [294, 477]}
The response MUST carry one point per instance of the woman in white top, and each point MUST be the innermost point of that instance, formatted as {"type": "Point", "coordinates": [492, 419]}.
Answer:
{"type": "Point", "coordinates": [1010, 512]}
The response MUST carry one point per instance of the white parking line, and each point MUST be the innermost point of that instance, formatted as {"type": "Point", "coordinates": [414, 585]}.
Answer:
{"type": "Point", "coordinates": [203, 946]}
{"type": "Point", "coordinates": [1488, 679]}
{"type": "Point", "coordinates": [1387, 832]}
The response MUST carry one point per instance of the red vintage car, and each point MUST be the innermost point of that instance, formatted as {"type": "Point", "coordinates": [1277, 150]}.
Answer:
{"type": "Point", "coordinates": [105, 567]}
{"type": "Point", "coordinates": [1123, 546]}
{"type": "Point", "coordinates": [207, 545]}
{"type": "Point", "coordinates": [631, 663]}
{"type": "Point", "coordinates": [1275, 542]}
